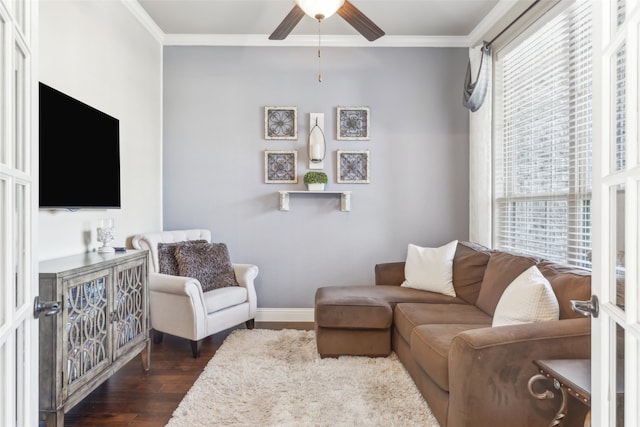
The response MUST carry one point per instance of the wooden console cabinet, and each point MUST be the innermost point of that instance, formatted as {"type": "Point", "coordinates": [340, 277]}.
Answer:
{"type": "Point", "coordinates": [103, 323]}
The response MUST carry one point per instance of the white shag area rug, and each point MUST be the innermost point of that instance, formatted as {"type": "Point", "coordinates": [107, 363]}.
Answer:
{"type": "Point", "coordinates": [266, 378]}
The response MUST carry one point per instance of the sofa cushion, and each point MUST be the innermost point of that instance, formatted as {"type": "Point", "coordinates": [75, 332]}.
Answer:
{"type": "Point", "coordinates": [221, 298]}
{"type": "Point", "coordinates": [501, 270]}
{"type": "Point", "coordinates": [353, 312]}
{"type": "Point", "coordinates": [430, 269]}
{"type": "Point", "coordinates": [469, 265]}
{"type": "Point", "coordinates": [355, 307]}
{"type": "Point", "coordinates": [167, 262]}
{"type": "Point", "coordinates": [207, 262]}
{"type": "Point", "coordinates": [568, 283]}
{"type": "Point", "coordinates": [407, 316]}
{"type": "Point", "coordinates": [529, 298]}
{"type": "Point", "coordinates": [391, 294]}
{"type": "Point", "coordinates": [430, 349]}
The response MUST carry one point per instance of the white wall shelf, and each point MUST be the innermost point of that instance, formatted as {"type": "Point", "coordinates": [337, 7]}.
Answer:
{"type": "Point", "coordinates": [345, 198]}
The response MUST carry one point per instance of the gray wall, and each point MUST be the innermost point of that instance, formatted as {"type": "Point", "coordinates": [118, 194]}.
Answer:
{"type": "Point", "coordinates": [213, 154]}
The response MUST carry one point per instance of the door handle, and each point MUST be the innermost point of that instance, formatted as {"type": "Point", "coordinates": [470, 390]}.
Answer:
{"type": "Point", "coordinates": [49, 308]}
{"type": "Point", "coordinates": [590, 308]}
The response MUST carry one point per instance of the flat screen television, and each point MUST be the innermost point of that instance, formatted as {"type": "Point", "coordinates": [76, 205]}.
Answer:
{"type": "Point", "coordinates": [79, 154]}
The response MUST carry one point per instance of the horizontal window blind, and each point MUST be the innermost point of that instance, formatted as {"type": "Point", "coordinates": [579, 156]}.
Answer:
{"type": "Point", "coordinates": [542, 154]}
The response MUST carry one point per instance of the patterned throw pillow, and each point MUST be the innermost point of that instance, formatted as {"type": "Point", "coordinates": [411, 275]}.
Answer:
{"type": "Point", "coordinates": [207, 262]}
{"type": "Point", "coordinates": [167, 262]}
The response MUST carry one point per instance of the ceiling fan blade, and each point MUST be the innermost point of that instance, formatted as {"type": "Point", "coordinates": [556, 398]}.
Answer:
{"type": "Point", "coordinates": [360, 22]}
{"type": "Point", "coordinates": [287, 24]}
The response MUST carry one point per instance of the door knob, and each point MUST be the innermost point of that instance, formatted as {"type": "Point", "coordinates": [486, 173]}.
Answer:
{"type": "Point", "coordinates": [49, 308]}
{"type": "Point", "coordinates": [586, 308]}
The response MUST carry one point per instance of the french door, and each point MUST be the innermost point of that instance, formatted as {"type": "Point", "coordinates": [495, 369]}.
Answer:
{"type": "Point", "coordinates": [18, 269]}
{"type": "Point", "coordinates": [616, 185]}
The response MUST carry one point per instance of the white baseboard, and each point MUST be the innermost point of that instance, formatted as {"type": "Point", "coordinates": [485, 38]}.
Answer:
{"type": "Point", "coordinates": [284, 315]}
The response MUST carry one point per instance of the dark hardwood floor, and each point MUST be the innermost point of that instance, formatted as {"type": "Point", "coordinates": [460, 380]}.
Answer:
{"type": "Point", "coordinates": [135, 398]}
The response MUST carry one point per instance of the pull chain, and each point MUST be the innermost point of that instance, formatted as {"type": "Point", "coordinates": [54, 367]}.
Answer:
{"type": "Point", "coordinates": [319, 57]}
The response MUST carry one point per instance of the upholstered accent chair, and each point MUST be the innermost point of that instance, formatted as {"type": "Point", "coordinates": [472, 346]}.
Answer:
{"type": "Point", "coordinates": [178, 304]}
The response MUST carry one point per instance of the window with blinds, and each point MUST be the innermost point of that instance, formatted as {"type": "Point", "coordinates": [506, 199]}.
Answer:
{"type": "Point", "coordinates": [542, 152]}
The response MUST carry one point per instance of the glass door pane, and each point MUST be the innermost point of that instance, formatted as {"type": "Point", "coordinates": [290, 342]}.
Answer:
{"type": "Point", "coordinates": [3, 93]}
{"type": "Point", "coordinates": [620, 12]}
{"type": "Point", "coordinates": [617, 376]}
{"type": "Point", "coordinates": [617, 245]}
{"type": "Point", "coordinates": [5, 274]}
{"type": "Point", "coordinates": [19, 240]}
{"type": "Point", "coordinates": [621, 128]}
{"type": "Point", "coordinates": [19, 110]}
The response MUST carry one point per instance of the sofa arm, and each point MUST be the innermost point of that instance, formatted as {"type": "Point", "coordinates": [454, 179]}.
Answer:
{"type": "Point", "coordinates": [177, 285]}
{"type": "Point", "coordinates": [173, 294]}
{"type": "Point", "coordinates": [489, 369]}
{"type": "Point", "coordinates": [245, 275]}
{"type": "Point", "coordinates": [390, 273]}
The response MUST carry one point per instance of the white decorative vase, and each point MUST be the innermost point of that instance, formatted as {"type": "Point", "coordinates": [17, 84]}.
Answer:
{"type": "Point", "coordinates": [315, 187]}
{"type": "Point", "coordinates": [106, 234]}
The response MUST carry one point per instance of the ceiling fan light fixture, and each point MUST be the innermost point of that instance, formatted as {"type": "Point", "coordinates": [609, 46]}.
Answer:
{"type": "Point", "coordinates": [320, 9]}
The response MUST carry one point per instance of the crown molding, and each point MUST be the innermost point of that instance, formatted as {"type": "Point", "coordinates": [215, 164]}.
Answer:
{"type": "Point", "coordinates": [262, 40]}
{"type": "Point", "coordinates": [474, 38]}
{"type": "Point", "coordinates": [143, 17]}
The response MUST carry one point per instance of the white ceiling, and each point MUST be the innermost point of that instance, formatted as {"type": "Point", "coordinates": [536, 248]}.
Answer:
{"type": "Point", "coordinates": [430, 22]}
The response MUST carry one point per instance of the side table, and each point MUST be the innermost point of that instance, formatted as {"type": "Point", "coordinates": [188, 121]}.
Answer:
{"type": "Point", "coordinates": [572, 377]}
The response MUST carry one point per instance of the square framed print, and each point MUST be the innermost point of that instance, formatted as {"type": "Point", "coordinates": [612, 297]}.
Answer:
{"type": "Point", "coordinates": [353, 166]}
{"type": "Point", "coordinates": [281, 166]}
{"type": "Point", "coordinates": [281, 123]}
{"type": "Point", "coordinates": [353, 123]}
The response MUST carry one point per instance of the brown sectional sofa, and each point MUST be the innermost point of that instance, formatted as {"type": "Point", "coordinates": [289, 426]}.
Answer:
{"type": "Point", "coordinates": [470, 373]}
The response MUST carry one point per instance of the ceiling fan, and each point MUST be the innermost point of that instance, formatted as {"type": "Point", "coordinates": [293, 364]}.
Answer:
{"type": "Point", "coordinates": [321, 9]}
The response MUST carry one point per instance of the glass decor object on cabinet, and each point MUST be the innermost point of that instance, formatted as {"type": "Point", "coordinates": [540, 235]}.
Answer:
{"type": "Point", "coordinates": [106, 234]}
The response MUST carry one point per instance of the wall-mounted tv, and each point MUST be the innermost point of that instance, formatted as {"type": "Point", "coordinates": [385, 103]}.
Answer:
{"type": "Point", "coordinates": [79, 154]}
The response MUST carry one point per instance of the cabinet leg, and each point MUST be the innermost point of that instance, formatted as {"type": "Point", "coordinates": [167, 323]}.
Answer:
{"type": "Point", "coordinates": [53, 419]}
{"type": "Point", "coordinates": [145, 356]}
{"type": "Point", "coordinates": [195, 348]}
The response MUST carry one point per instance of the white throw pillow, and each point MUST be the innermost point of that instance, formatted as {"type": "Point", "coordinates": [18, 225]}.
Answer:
{"type": "Point", "coordinates": [529, 298]}
{"type": "Point", "coordinates": [430, 269]}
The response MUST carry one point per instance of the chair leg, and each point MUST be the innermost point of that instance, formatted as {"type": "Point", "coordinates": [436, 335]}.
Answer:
{"type": "Point", "coordinates": [157, 336]}
{"type": "Point", "coordinates": [195, 348]}
{"type": "Point", "coordinates": [251, 323]}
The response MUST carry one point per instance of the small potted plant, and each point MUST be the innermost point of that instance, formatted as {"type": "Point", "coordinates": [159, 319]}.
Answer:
{"type": "Point", "coordinates": [315, 181]}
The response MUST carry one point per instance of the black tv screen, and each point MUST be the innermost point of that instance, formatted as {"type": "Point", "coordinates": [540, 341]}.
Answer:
{"type": "Point", "coordinates": [79, 154]}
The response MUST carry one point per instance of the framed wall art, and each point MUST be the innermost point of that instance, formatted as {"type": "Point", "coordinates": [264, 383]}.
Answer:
{"type": "Point", "coordinates": [280, 123]}
{"type": "Point", "coordinates": [353, 166]}
{"type": "Point", "coordinates": [281, 166]}
{"type": "Point", "coordinates": [352, 123]}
